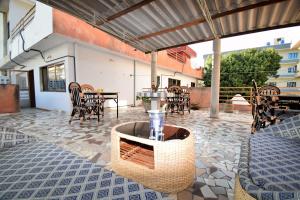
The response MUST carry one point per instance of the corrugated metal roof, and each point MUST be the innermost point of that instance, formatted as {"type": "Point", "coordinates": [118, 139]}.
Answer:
{"type": "Point", "coordinates": [151, 25]}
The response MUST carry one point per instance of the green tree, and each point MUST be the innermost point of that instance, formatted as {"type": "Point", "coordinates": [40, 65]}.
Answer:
{"type": "Point", "coordinates": [239, 68]}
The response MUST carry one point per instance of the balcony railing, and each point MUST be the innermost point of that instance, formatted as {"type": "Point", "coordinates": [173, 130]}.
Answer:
{"type": "Point", "coordinates": [24, 21]}
{"type": "Point", "coordinates": [293, 60]}
{"type": "Point", "coordinates": [179, 56]}
{"type": "Point", "coordinates": [227, 93]}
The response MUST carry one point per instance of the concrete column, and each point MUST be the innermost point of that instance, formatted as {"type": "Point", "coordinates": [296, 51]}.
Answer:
{"type": "Point", "coordinates": [215, 79]}
{"type": "Point", "coordinates": [153, 68]}
{"type": "Point", "coordinates": [155, 101]}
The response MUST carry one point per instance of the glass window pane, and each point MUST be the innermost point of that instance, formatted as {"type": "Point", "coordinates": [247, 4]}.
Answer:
{"type": "Point", "coordinates": [60, 72]}
{"type": "Point", "coordinates": [51, 73]}
{"type": "Point", "coordinates": [53, 78]}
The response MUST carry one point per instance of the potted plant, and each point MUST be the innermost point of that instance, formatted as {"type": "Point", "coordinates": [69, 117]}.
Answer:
{"type": "Point", "coordinates": [146, 101]}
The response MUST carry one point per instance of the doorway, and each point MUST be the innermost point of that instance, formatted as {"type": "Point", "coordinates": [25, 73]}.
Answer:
{"type": "Point", "coordinates": [31, 88]}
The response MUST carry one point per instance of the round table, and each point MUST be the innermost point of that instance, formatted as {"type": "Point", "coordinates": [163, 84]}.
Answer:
{"type": "Point", "coordinates": [165, 166]}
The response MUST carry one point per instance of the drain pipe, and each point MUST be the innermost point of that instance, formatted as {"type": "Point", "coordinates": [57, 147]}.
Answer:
{"type": "Point", "coordinates": [74, 61]}
{"type": "Point", "coordinates": [43, 57]}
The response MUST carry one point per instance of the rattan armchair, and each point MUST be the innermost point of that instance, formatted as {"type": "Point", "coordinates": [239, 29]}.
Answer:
{"type": "Point", "coordinates": [175, 103]}
{"type": "Point", "coordinates": [263, 106]}
{"type": "Point", "coordinates": [94, 102]}
{"type": "Point", "coordinates": [77, 101]}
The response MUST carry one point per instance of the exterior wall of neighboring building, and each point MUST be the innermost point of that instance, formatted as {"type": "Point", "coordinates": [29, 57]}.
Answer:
{"type": "Point", "coordinates": [289, 70]}
{"type": "Point", "coordinates": [284, 76]}
{"type": "Point", "coordinates": [101, 60]}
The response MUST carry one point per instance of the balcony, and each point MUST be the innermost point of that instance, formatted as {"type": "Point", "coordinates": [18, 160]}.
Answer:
{"type": "Point", "coordinates": [36, 25]}
{"type": "Point", "coordinates": [181, 54]}
{"type": "Point", "coordinates": [285, 61]}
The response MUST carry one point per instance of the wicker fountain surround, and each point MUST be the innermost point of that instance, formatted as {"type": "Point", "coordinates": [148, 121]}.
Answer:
{"type": "Point", "coordinates": [165, 166]}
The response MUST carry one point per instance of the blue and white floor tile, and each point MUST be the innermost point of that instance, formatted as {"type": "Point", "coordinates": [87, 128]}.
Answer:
{"type": "Point", "coordinates": [40, 170]}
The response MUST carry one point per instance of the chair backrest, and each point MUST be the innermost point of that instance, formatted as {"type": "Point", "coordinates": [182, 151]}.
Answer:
{"type": "Point", "coordinates": [255, 90]}
{"type": "Point", "coordinates": [186, 89]}
{"type": "Point", "coordinates": [87, 88]}
{"type": "Point", "coordinates": [175, 89]}
{"type": "Point", "coordinates": [75, 91]}
{"type": "Point", "coordinates": [269, 90]}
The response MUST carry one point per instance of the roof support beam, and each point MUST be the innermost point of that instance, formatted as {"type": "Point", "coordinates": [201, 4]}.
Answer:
{"type": "Point", "coordinates": [215, 16]}
{"type": "Point", "coordinates": [207, 16]}
{"type": "Point", "coordinates": [128, 10]}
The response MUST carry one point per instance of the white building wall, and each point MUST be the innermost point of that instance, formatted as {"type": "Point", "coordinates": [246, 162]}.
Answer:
{"type": "Point", "coordinates": [114, 73]}
{"type": "Point", "coordinates": [102, 69]}
{"type": "Point", "coordinates": [2, 42]}
{"type": "Point", "coordinates": [107, 71]}
{"type": "Point", "coordinates": [52, 100]}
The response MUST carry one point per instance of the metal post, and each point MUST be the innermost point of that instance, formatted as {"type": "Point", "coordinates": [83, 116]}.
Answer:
{"type": "Point", "coordinates": [153, 68]}
{"type": "Point", "coordinates": [134, 78]}
{"type": "Point", "coordinates": [215, 79]}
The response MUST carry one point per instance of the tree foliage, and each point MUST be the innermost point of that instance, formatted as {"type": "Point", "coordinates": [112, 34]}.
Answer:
{"type": "Point", "coordinates": [239, 68]}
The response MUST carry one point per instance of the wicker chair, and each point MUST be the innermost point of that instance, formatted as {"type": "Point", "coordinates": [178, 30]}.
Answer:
{"type": "Point", "coordinates": [176, 102]}
{"type": "Point", "coordinates": [186, 97]}
{"type": "Point", "coordinates": [77, 101]}
{"type": "Point", "coordinates": [87, 88]}
{"type": "Point", "coordinates": [263, 106]}
{"type": "Point", "coordinates": [93, 102]}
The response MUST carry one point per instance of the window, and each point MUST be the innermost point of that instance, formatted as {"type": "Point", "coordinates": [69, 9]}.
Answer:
{"type": "Point", "coordinates": [193, 84]}
{"type": "Point", "coordinates": [292, 69]}
{"type": "Point", "coordinates": [53, 78]}
{"type": "Point", "coordinates": [291, 84]}
{"type": "Point", "coordinates": [293, 55]}
{"type": "Point", "coordinates": [172, 82]}
{"type": "Point", "coordinates": [272, 83]}
{"type": "Point", "coordinates": [8, 32]}
{"type": "Point", "coordinates": [158, 81]}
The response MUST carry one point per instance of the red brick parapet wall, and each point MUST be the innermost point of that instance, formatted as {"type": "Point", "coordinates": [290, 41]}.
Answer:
{"type": "Point", "coordinates": [73, 27]}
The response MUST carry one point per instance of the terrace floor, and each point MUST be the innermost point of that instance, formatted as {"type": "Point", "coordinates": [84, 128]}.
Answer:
{"type": "Point", "coordinates": [217, 142]}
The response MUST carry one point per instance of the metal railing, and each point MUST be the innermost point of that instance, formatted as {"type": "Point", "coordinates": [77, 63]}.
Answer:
{"type": "Point", "coordinates": [227, 93]}
{"type": "Point", "coordinates": [176, 55]}
{"type": "Point", "coordinates": [24, 21]}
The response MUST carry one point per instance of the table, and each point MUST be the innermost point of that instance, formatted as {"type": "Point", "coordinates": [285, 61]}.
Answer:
{"type": "Point", "coordinates": [165, 166]}
{"type": "Point", "coordinates": [106, 96]}
{"type": "Point", "coordinates": [292, 102]}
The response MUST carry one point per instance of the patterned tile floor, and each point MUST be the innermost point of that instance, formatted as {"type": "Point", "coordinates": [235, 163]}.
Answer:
{"type": "Point", "coordinates": [40, 170]}
{"type": "Point", "coordinates": [217, 142]}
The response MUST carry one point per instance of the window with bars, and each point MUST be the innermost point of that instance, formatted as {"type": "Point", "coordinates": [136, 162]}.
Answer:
{"type": "Point", "coordinates": [291, 84]}
{"type": "Point", "coordinates": [293, 55]}
{"type": "Point", "coordinates": [172, 82]}
{"type": "Point", "coordinates": [272, 83]}
{"type": "Point", "coordinates": [53, 78]}
{"type": "Point", "coordinates": [292, 69]}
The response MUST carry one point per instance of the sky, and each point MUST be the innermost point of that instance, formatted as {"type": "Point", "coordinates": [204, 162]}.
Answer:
{"type": "Point", "coordinates": [245, 41]}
